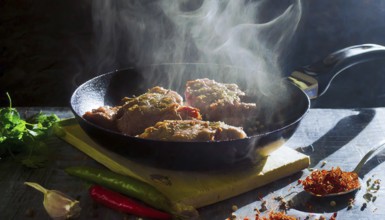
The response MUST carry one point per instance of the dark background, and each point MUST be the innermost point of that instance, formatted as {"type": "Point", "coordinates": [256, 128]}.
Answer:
{"type": "Point", "coordinates": [47, 47]}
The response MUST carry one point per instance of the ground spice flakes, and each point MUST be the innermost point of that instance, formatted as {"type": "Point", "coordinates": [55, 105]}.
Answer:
{"type": "Point", "coordinates": [323, 182]}
{"type": "Point", "coordinates": [276, 216]}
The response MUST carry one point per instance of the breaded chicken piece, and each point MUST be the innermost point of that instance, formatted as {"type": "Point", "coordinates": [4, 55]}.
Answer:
{"type": "Point", "coordinates": [135, 114]}
{"type": "Point", "coordinates": [219, 101]}
{"type": "Point", "coordinates": [157, 104]}
{"type": "Point", "coordinates": [192, 130]}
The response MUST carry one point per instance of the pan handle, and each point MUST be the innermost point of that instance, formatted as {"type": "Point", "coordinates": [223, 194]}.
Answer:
{"type": "Point", "coordinates": [315, 79]}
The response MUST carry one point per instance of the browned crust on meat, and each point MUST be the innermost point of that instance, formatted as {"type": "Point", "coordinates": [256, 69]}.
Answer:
{"type": "Point", "coordinates": [103, 116]}
{"type": "Point", "coordinates": [192, 130]}
{"type": "Point", "coordinates": [157, 104]}
{"type": "Point", "coordinates": [219, 101]}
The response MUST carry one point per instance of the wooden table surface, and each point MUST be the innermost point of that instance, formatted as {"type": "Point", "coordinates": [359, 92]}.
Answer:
{"type": "Point", "coordinates": [331, 137]}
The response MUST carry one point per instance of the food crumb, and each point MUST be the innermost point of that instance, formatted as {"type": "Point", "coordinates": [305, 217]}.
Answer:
{"type": "Point", "coordinates": [350, 203]}
{"type": "Point", "coordinates": [323, 163]}
{"type": "Point", "coordinates": [284, 205]}
{"type": "Point", "coordinates": [263, 206]}
{"type": "Point", "coordinates": [234, 208]}
{"type": "Point", "coordinates": [278, 198]}
{"type": "Point", "coordinates": [333, 203]}
{"type": "Point", "coordinates": [371, 190]}
{"type": "Point", "coordinates": [363, 207]}
{"type": "Point", "coordinates": [368, 197]}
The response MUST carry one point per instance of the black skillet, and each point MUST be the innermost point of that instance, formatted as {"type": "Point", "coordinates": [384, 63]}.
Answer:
{"type": "Point", "coordinates": [277, 120]}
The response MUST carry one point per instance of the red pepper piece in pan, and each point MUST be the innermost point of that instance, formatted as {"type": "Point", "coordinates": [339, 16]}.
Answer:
{"type": "Point", "coordinates": [122, 203]}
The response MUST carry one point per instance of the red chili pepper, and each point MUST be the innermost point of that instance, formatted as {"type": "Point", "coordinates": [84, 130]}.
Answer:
{"type": "Point", "coordinates": [122, 203]}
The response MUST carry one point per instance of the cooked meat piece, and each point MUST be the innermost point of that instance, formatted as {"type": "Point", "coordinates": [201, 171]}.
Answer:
{"type": "Point", "coordinates": [192, 130]}
{"type": "Point", "coordinates": [158, 95]}
{"type": "Point", "coordinates": [103, 116]}
{"type": "Point", "coordinates": [157, 104]}
{"type": "Point", "coordinates": [219, 101]}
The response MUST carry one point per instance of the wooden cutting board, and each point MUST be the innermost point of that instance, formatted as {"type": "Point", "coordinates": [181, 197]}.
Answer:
{"type": "Point", "coordinates": [191, 187]}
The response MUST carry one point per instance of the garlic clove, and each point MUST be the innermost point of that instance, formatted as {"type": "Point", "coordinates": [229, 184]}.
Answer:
{"type": "Point", "coordinates": [57, 204]}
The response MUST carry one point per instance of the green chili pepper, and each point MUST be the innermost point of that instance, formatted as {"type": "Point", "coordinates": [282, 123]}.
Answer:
{"type": "Point", "coordinates": [132, 187]}
{"type": "Point", "coordinates": [123, 184]}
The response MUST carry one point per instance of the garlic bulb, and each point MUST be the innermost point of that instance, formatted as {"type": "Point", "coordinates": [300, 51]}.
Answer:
{"type": "Point", "coordinates": [57, 204]}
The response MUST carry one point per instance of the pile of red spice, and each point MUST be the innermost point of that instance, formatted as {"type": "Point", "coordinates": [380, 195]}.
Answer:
{"type": "Point", "coordinates": [276, 216]}
{"type": "Point", "coordinates": [323, 182]}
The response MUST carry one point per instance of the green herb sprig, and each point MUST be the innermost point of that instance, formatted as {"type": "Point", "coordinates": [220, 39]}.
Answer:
{"type": "Point", "coordinates": [22, 139]}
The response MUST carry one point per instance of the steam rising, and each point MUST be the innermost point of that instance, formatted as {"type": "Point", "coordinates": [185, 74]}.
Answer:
{"type": "Point", "coordinates": [222, 32]}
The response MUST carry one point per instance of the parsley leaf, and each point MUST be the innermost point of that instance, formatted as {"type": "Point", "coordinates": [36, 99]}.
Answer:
{"type": "Point", "coordinates": [25, 138]}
